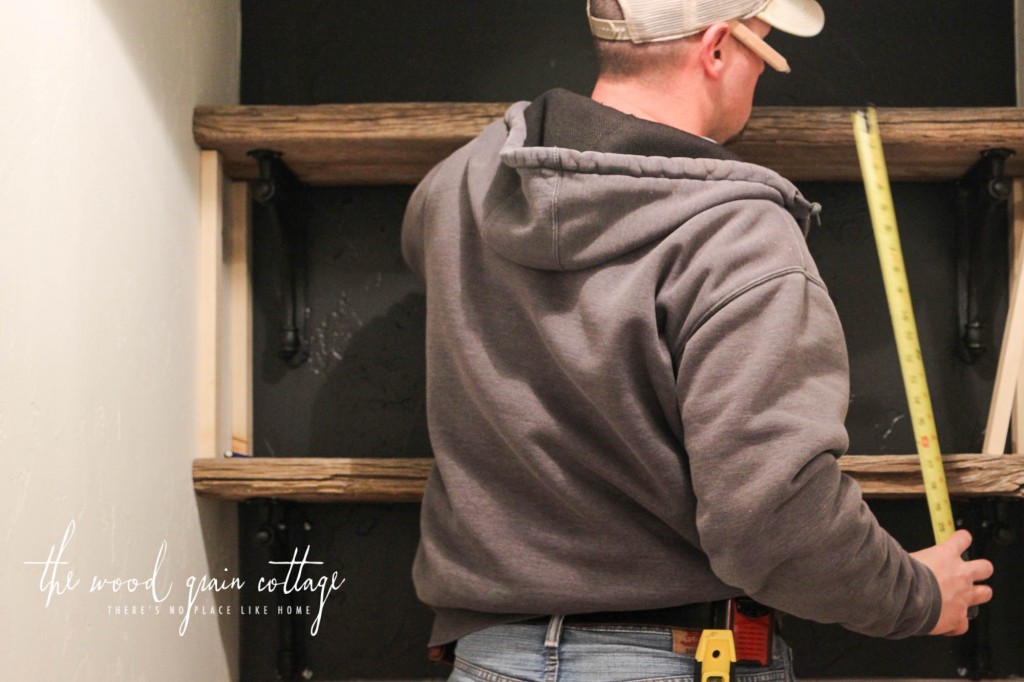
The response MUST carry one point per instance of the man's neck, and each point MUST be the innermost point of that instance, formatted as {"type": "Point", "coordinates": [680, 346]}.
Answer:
{"type": "Point", "coordinates": [665, 104]}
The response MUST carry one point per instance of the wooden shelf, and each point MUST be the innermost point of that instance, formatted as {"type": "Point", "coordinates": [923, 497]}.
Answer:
{"type": "Point", "coordinates": [312, 479]}
{"type": "Point", "coordinates": [373, 144]}
{"type": "Point", "coordinates": [327, 479]}
{"type": "Point", "coordinates": [343, 144]}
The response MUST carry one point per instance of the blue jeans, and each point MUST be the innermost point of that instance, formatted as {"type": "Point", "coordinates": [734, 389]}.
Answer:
{"type": "Point", "coordinates": [584, 652]}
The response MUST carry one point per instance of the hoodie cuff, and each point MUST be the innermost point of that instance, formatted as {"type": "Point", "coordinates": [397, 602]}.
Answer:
{"type": "Point", "coordinates": [931, 596]}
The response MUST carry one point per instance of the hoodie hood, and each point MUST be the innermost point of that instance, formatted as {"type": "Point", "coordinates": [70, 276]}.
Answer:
{"type": "Point", "coordinates": [555, 208]}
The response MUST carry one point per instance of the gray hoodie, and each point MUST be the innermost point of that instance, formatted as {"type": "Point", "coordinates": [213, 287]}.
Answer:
{"type": "Point", "coordinates": [636, 386]}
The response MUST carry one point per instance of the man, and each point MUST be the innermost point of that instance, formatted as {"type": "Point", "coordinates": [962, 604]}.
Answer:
{"type": "Point", "coordinates": [636, 379]}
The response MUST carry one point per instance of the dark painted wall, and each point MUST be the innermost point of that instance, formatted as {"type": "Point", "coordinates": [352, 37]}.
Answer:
{"type": "Point", "coordinates": [361, 393]}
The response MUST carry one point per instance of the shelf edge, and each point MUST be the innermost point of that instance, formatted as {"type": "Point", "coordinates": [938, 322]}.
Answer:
{"type": "Point", "coordinates": [385, 480]}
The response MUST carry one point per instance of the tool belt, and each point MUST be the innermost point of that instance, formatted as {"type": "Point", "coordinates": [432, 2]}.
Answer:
{"type": "Point", "coordinates": [751, 623]}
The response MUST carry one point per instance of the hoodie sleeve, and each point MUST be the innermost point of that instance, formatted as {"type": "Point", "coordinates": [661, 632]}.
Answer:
{"type": "Point", "coordinates": [413, 225]}
{"type": "Point", "coordinates": [763, 388]}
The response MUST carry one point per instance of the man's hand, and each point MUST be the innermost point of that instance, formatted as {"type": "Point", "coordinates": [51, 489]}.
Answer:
{"type": "Point", "coordinates": [957, 580]}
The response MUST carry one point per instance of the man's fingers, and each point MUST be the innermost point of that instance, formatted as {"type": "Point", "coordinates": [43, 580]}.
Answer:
{"type": "Point", "coordinates": [982, 594]}
{"type": "Point", "coordinates": [961, 581]}
{"type": "Point", "coordinates": [960, 540]}
{"type": "Point", "coordinates": [980, 569]}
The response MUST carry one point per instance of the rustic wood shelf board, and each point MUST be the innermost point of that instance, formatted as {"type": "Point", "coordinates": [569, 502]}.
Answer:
{"type": "Point", "coordinates": [372, 144]}
{"type": "Point", "coordinates": [343, 144]}
{"type": "Point", "coordinates": [312, 479]}
{"type": "Point", "coordinates": [328, 479]}
{"type": "Point", "coordinates": [899, 476]}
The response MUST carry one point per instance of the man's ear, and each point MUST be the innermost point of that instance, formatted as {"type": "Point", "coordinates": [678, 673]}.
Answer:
{"type": "Point", "coordinates": [712, 47]}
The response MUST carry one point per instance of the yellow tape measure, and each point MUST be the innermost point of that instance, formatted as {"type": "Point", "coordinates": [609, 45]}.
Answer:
{"type": "Point", "coordinates": [897, 291]}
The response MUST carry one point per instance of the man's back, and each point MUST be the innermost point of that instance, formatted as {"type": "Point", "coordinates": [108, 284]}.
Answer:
{"type": "Point", "coordinates": [583, 305]}
{"type": "Point", "coordinates": [636, 380]}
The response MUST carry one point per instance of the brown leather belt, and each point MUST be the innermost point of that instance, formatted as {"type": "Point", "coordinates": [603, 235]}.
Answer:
{"type": "Point", "coordinates": [690, 616]}
{"type": "Point", "coordinates": [751, 625]}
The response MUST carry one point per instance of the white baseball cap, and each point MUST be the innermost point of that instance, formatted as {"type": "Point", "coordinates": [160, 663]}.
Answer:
{"type": "Point", "coordinates": [649, 21]}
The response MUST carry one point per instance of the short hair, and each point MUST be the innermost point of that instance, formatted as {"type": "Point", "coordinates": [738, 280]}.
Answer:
{"type": "Point", "coordinates": [625, 59]}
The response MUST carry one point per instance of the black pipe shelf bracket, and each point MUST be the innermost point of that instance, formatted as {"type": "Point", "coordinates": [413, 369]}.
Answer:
{"type": "Point", "coordinates": [279, 190]}
{"type": "Point", "coordinates": [982, 218]}
{"type": "Point", "coordinates": [283, 530]}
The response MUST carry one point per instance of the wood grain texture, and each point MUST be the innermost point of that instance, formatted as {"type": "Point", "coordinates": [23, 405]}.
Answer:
{"type": "Point", "coordinates": [369, 144]}
{"type": "Point", "coordinates": [343, 144]}
{"type": "Point", "coordinates": [899, 476]}
{"type": "Point", "coordinates": [924, 144]}
{"type": "Point", "coordinates": [403, 480]}
{"type": "Point", "coordinates": [313, 479]}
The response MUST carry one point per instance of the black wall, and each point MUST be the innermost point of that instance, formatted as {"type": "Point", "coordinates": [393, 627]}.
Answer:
{"type": "Point", "coordinates": [361, 393]}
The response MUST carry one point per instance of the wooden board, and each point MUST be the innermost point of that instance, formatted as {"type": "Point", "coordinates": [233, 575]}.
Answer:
{"type": "Point", "coordinates": [241, 320]}
{"type": "Point", "coordinates": [1016, 265]}
{"type": "Point", "coordinates": [327, 479]}
{"type": "Point", "coordinates": [1008, 372]}
{"type": "Point", "coordinates": [899, 476]}
{"type": "Point", "coordinates": [368, 144]}
{"type": "Point", "coordinates": [343, 144]}
{"type": "Point", "coordinates": [313, 479]}
{"type": "Point", "coordinates": [209, 383]}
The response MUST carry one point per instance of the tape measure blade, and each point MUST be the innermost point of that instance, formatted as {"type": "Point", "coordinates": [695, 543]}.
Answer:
{"type": "Point", "coordinates": [897, 290]}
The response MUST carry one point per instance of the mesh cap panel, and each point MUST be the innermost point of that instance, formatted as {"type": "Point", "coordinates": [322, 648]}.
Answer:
{"type": "Point", "coordinates": [651, 20]}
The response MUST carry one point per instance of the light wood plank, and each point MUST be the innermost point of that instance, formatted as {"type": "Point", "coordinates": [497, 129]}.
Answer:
{"type": "Point", "coordinates": [357, 144]}
{"type": "Point", "coordinates": [1016, 264]}
{"type": "Point", "coordinates": [1008, 372]}
{"type": "Point", "coordinates": [211, 218]}
{"type": "Point", "coordinates": [1017, 224]}
{"type": "Point", "coordinates": [241, 320]}
{"type": "Point", "coordinates": [403, 480]}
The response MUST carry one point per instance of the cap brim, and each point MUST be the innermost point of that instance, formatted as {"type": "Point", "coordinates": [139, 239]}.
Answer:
{"type": "Point", "coordinates": [803, 18]}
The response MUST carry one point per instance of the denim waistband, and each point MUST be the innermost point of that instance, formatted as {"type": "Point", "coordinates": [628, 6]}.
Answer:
{"type": "Point", "coordinates": [557, 651]}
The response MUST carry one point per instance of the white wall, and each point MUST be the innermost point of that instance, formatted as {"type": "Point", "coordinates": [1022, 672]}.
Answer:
{"type": "Point", "coordinates": [98, 270]}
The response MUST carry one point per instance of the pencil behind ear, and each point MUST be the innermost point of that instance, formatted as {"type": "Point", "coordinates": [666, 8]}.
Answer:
{"type": "Point", "coordinates": [762, 49]}
{"type": "Point", "coordinates": [759, 46]}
